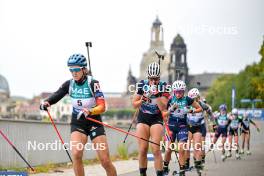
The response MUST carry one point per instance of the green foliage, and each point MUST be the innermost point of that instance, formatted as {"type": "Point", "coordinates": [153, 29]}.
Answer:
{"type": "Point", "coordinates": [45, 119]}
{"type": "Point", "coordinates": [249, 83]}
{"type": "Point", "coordinates": [122, 150]}
{"type": "Point", "coordinates": [220, 92]}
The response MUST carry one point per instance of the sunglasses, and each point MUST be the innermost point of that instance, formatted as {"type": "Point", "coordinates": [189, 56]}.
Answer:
{"type": "Point", "coordinates": [178, 91]}
{"type": "Point", "coordinates": [154, 79]}
{"type": "Point", "coordinates": [77, 69]}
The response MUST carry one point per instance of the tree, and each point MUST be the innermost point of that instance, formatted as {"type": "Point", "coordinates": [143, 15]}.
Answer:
{"type": "Point", "coordinates": [249, 83]}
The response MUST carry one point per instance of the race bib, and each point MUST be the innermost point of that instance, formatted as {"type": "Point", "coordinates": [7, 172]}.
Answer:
{"type": "Point", "coordinates": [234, 124]}
{"type": "Point", "coordinates": [195, 119]}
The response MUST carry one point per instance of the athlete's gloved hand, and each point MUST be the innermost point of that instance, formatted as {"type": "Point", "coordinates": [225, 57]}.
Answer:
{"type": "Point", "coordinates": [186, 110]}
{"type": "Point", "coordinates": [44, 106]}
{"type": "Point", "coordinates": [209, 110]}
{"type": "Point", "coordinates": [173, 107]}
{"type": "Point", "coordinates": [86, 112]}
{"type": "Point", "coordinates": [192, 110]}
{"type": "Point", "coordinates": [146, 97]}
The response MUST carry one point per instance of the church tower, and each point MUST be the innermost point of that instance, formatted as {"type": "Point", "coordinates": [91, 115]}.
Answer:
{"type": "Point", "coordinates": [178, 68]}
{"type": "Point", "coordinates": [131, 80]}
{"type": "Point", "coordinates": [156, 43]}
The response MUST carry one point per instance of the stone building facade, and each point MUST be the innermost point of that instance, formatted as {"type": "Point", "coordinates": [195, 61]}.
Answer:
{"type": "Point", "coordinates": [175, 63]}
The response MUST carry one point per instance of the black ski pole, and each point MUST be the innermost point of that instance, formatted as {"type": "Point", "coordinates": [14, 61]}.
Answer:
{"type": "Point", "coordinates": [89, 44]}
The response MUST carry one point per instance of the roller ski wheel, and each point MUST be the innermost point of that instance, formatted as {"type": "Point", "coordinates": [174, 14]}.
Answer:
{"type": "Point", "coordinates": [223, 158]}
{"type": "Point", "coordinates": [199, 173]}
{"type": "Point", "coordinates": [166, 173]}
{"type": "Point", "coordinates": [190, 168]}
{"type": "Point", "coordinates": [238, 157]}
{"type": "Point", "coordinates": [178, 173]}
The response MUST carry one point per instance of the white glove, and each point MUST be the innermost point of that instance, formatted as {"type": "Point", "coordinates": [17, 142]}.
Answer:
{"type": "Point", "coordinates": [173, 107]}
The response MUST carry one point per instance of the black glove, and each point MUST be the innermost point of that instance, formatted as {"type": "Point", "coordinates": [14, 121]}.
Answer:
{"type": "Point", "coordinates": [44, 106]}
{"type": "Point", "coordinates": [146, 97]}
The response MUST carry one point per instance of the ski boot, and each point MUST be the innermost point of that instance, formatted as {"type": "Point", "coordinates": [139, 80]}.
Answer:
{"type": "Point", "coordinates": [223, 157]}
{"type": "Point", "coordinates": [238, 156]}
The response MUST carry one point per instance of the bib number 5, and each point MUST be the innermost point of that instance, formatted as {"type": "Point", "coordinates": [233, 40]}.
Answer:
{"type": "Point", "coordinates": [79, 102]}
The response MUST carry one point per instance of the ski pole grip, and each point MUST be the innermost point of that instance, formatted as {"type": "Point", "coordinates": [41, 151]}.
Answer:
{"type": "Point", "coordinates": [87, 44]}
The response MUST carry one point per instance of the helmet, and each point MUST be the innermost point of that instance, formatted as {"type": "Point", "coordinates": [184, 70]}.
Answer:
{"type": "Point", "coordinates": [222, 107]}
{"type": "Point", "coordinates": [77, 59]}
{"type": "Point", "coordinates": [216, 114]}
{"type": "Point", "coordinates": [178, 85]}
{"type": "Point", "coordinates": [193, 93]}
{"type": "Point", "coordinates": [153, 70]}
{"type": "Point", "coordinates": [204, 100]}
{"type": "Point", "coordinates": [235, 111]}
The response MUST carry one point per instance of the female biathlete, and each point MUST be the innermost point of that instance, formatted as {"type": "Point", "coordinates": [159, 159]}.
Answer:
{"type": "Point", "coordinates": [233, 131]}
{"type": "Point", "coordinates": [245, 131]}
{"type": "Point", "coordinates": [222, 123]}
{"type": "Point", "coordinates": [197, 130]}
{"type": "Point", "coordinates": [87, 100]}
{"type": "Point", "coordinates": [151, 98]}
{"type": "Point", "coordinates": [177, 122]}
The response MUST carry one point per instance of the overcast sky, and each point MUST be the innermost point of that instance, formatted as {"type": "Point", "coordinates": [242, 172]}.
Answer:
{"type": "Point", "coordinates": [38, 36]}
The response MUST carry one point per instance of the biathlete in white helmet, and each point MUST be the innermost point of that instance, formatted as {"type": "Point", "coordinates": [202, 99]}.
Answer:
{"type": "Point", "coordinates": [177, 112]}
{"type": "Point", "coordinates": [151, 98]}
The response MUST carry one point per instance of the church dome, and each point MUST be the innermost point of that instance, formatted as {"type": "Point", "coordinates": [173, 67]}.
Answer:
{"type": "Point", "coordinates": [178, 40]}
{"type": "Point", "coordinates": [4, 87]}
{"type": "Point", "coordinates": [157, 22]}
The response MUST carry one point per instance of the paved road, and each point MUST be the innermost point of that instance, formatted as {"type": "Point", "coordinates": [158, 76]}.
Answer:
{"type": "Point", "coordinates": [252, 165]}
{"type": "Point", "coordinates": [248, 165]}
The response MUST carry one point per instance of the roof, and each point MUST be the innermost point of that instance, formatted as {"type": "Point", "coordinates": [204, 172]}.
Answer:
{"type": "Point", "coordinates": [178, 40]}
{"type": "Point", "coordinates": [205, 79]}
{"type": "Point", "coordinates": [157, 22]}
{"type": "Point", "coordinates": [4, 87]}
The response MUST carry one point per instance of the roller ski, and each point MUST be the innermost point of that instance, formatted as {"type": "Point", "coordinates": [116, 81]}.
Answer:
{"type": "Point", "coordinates": [241, 152]}
{"type": "Point", "coordinates": [248, 152]}
{"type": "Point", "coordinates": [238, 156]}
{"type": "Point", "coordinates": [198, 167]}
{"type": "Point", "coordinates": [166, 171]}
{"type": "Point", "coordinates": [223, 157]}
{"type": "Point", "coordinates": [229, 154]}
{"type": "Point", "coordinates": [181, 172]}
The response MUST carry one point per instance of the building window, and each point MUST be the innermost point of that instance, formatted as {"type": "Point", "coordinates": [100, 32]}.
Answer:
{"type": "Point", "coordinates": [182, 58]}
{"type": "Point", "coordinates": [173, 58]}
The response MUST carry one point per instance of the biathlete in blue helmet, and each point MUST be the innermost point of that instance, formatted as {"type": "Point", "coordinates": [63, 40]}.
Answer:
{"type": "Point", "coordinates": [87, 101]}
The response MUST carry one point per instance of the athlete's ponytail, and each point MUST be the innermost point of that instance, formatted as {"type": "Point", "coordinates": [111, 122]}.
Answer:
{"type": "Point", "coordinates": [86, 71]}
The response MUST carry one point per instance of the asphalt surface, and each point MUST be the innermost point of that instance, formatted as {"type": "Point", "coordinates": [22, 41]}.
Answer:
{"type": "Point", "coordinates": [249, 165]}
